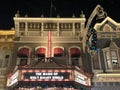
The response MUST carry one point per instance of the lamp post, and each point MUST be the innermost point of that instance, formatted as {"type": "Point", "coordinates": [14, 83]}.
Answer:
{"type": "Point", "coordinates": [100, 13]}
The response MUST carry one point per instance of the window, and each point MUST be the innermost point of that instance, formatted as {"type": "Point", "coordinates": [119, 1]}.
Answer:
{"type": "Point", "coordinates": [114, 59]}
{"type": "Point", "coordinates": [75, 56]}
{"type": "Point", "coordinates": [75, 61]}
{"type": "Point", "coordinates": [58, 52]}
{"type": "Point", "coordinates": [6, 61]}
{"type": "Point", "coordinates": [23, 54]}
{"type": "Point", "coordinates": [111, 59]}
{"type": "Point", "coordinates": [23, 61]}
{"type": "Point", "coordinates": [108, 60]}
{"type": "Point", "coordinates": [40, 52]}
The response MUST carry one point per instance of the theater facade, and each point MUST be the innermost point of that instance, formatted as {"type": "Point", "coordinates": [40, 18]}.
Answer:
{"type": "Point", "coordinates": [50, 54]}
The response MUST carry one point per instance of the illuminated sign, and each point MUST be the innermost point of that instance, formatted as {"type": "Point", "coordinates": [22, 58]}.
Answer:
{"type": "Point", "coordinates": [46, 75]}
{"type": "Point", "coordinates": [13, 79]}
{"type": "Point", "coordinates": [82, 79]}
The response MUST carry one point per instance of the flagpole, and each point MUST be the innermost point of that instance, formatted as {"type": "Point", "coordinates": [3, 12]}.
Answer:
{"type": "Point", "coordinates": [51, 5]}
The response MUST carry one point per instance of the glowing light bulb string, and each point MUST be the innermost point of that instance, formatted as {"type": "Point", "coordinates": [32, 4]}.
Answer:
{"type": "Point", "coordinates": [49, 44]}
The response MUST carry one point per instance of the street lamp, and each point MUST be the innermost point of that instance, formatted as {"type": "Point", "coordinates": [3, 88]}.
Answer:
{"type": "Point", "coordinates": [100, 13]}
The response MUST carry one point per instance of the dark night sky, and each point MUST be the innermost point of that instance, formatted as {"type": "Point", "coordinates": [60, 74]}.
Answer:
{"type": "Point", "coordinates": [65, 8]}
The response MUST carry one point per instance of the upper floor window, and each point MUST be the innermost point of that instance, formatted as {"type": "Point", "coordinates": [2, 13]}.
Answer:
{"type": "Point", "coordinates": [6, 60]}
{"type": "Point", "coordinates": [111, 59]}
{"type": "Point", "coordinates": [74, 52]}
{"type": "Point", "coordinates": [40, 52]}
{"type": "Point", "coordinates": [114, 59]}
{"type": "Point", "coordinates": [23, 54]}
{"type": "Point", "coordinates": [58, 52]}
{"type": "Point", "coordinates": [75, 55]}
{"type": "Point", "coordinates": [5, 54]}
{"type": "Point", "coordinates": [111, 55]}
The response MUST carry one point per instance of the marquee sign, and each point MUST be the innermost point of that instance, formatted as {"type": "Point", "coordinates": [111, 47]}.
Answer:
{"type": "Point", "coordinates": [12, 79]}
{"type": "Point", "coordinates": [46, 75]}
{"type": "Point", "coordinates": [82, 79]}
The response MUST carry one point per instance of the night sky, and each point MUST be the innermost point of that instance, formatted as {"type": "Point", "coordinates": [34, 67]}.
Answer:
{"type": "Point", "coordinates": [65, 8]}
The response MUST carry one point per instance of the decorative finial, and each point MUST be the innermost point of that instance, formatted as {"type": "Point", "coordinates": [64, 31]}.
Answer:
{"type": "Point", "coordinates": [42, 16]}
{"type": "Point", "coordinates": [82, 15]}
{"type": "Point", "coordinates": [73, 15]}
{"type": "Point", "coordinates": [26, 15]}
{"type": "Point", "coordinates": [17, 14]}
{"type": "Point", "coordinates": [58, 15]}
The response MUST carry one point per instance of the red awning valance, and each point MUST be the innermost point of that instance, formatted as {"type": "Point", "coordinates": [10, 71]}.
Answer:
{"type": "Point", "coordinates": [23, 52]}
{"type": "Point", "coordinates": [41, 51]}
{"type": "Point", "coordinates": [74, 52]}
{"type": "Point", "coordinates": [58, 51]}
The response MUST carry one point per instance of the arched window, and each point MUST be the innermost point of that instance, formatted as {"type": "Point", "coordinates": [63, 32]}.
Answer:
{"type": "Point", "coordinates": [23, 54]}
{"type": "Point", "coordinates": [74, 52]}
{"type": "Point", "coordinates": [5, 54]}
{"type": "Point", "coordinates": [58, 52]}
{"type": "Point", "coordinates": [40, 52]}
{"type": "Point", "coordinates": [75, 56]}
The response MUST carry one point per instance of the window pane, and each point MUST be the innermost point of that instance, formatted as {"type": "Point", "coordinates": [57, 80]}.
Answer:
{"type": "Point", "coordinates": [23, 62]}
{"type": "Point", "coordinates": [115, 64]}
{"type": "Point", "coordinates": [113, 53]}
{"type": "Point", "coordinates": [114, 57]}
{"type": "Point", "coordinates": [75, 61]}
{"type": "Point", "coordinates": [109, 65]}
{"type": "Point", "coordinates": [107, 55]}
{"type": "Point", "coordinates": [114, 61]}
{"type": "Point", "coordinates": [6, 60]}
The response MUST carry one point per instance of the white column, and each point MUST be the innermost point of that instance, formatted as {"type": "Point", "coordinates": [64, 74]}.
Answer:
{"type": "Point", "coordinates": [17, 34]}
{"type": "Point", "coordinates": [58, 31]}
{"type": "Point", "coordinates": [42, 27]}
{"type": "Point", "coordinates": [82, 29]}
{"type": "Point", "coordinates": [26, 28]}
{"type": "Point", "coordinates": [73, 25]}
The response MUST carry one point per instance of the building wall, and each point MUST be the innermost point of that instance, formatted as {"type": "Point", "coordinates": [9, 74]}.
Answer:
{"type": "Point", "coordinates": [33, 32]}
{"type": "Point", "coordinates": [65, 33]}
{"type": "Point", "coordinates": [6, 50]}
{"type": "Point", "coordinates": [107, 56]}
